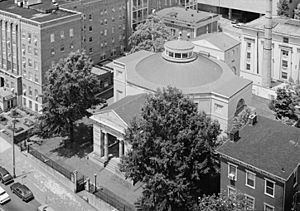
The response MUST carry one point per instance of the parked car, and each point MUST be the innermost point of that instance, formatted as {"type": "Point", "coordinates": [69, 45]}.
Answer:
{"type": "Point", "coordinates": [45, 207]}
{"type": "Point", "coordinates": [4, 197]}
{"type": "Point", "coordinates": [22, 191]}
{"type": "Point", "coordinates": [5, 176]}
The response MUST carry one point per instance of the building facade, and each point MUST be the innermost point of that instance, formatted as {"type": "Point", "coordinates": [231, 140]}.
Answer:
{"type": "Point", "coordinates": [33, 39]}
{"type": "Point", "coordinates": [263, 164]}
{"type": "Point", "coordinates": [285, 65]}
{"type": "Point", "coordinates": [220, 46]}
{"type": "Point", "coordinates": [139, 10]}
{"type": "Point", "coordinates": [103, 29]}
{"type": "Point", "coordinates": [240, 8]}
{"type": "Point", "coordinates": [189, 22]}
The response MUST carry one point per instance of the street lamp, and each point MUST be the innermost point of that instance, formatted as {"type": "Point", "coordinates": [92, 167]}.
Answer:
{"type": "Point", "coordinates": [95, 175]}
{"type": "Point", "coordinates": [13, 142]}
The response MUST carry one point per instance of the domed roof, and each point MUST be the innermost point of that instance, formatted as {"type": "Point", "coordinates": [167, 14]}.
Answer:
{"type": "Point", "coordinates": [197, 72]}
{"type": "Point", "coordinates": [179, 45]}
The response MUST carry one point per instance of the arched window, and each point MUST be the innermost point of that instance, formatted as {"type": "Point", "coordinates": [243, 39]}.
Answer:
{"type": "Point", "coordinates": [240, 106]}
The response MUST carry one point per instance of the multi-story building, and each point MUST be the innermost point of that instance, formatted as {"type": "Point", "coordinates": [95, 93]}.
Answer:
{"type": "Point", "coordinates": [34, 36]}
{"type": "Point", "coordinates": [263, 163]}
{"type": "Point", "coordinates": [189, 22]}
{"type": "Point", "coordinates": [220, 46]}
{"type": "Point", "coordinates": [242, 9]}
{"type": "Point", "coordinates": [103, 32]}
{"type": "Point", "coordinates": [285, 65]}
{"type": "Point", "coordinates": [139, 10]}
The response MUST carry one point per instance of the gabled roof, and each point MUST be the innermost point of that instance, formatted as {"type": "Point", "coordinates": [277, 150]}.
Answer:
{"type": "Point", "coordinates": [219, 39]}
{"type": "Point", "coordinates": [128, 107]}
{"type": "Point", "coordinates": [268, 145]}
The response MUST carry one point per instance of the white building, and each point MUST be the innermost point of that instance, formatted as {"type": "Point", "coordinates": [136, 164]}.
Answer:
{"type": "Point", "coordinates": [220, 46]}
{"type": "Point", "coordinates": [238, 7]}
{"type": "Point", "coordinates": [285, 53]}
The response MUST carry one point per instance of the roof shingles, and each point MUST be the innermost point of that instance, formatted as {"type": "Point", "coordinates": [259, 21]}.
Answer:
{"type": "Point", "coordinates": [269, 145]}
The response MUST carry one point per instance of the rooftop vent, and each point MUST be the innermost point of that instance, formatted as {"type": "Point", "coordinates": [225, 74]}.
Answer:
{"type": "Point", "coordinates": [252, 119]}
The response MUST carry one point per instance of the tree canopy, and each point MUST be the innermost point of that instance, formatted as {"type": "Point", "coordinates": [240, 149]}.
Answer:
{"type": "Point", "coordinates": [284, 104]}
{"type": "Point", "coordinates": [69, 91]}
{"type": "Point", "coordinates": [283, 8]}
{"type": "Point", "coordinates": [150, 36]}
{"type": "Point", "coordinates": [172, 151]}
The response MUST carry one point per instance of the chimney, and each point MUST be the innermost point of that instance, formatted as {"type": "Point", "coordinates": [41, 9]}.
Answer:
{"type": "Point", "coordinates": [252, 119]}
{"type": "Point", "coordinates": [234, 135]}
{"type": "Point", "coordinates": [267, 55]}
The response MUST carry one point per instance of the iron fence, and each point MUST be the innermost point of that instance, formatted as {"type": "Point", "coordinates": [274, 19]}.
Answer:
{"type": "Point", "coordinates": [61, 169]}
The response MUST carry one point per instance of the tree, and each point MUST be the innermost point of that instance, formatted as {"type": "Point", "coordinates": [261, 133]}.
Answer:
{"type": "Point", "coordinates": [150, 36]}
{"type": "Point", "coordinates": [70, 90]}
{"type": "Point", "coordinates": [223, 202]}
{"type": "Point", "coordinates": [172, 151]}
{"type": "Point", "coordinates": [284, 104]}
{"type": "Point", "coordinates": [297, 12]}
{"type": "Point", "coordinates": [283, 8]}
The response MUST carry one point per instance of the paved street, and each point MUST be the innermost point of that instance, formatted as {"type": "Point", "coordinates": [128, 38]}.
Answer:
{"type": "Point", "coordinates": [16, 204]}
{"type": "Point", "coordinates": [45, 187]}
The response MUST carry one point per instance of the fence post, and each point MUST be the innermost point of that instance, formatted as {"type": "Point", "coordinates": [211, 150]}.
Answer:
{"type": "Point", "coordinates": [75, 180]}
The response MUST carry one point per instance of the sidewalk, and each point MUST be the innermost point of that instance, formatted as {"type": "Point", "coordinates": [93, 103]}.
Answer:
{"type": "Point", "coordinates": [46, 188]}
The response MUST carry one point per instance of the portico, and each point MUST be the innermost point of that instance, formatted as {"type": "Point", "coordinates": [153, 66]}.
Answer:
{"type": "Point", "coordinates": [109, 127]}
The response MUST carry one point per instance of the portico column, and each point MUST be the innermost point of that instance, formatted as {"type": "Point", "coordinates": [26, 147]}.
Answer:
{"type": "Point", "coordinates": [105, 146]}
{"type": "Point", "coordinates": [229, 14]}
{"type": "Point", "coordinates": [121, 143]}
{"type": "Point", "coordinates": [101, 143]}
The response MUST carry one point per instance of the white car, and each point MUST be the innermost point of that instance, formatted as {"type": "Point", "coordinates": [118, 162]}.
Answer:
{"type": "Point", "coordinates": [4, 197]}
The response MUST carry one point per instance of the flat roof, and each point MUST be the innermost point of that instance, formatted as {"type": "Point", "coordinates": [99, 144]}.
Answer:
{"type": "Point", "coordinates": [281, 25]}
{"type": "Point", "coordinates": [221, 40]}
{"type": "Point", "coordinates": [268, 145]}
{"type": "Point", "coordinates": [34, 12]}
{"type": "Point", "coordinates": [185, 15]}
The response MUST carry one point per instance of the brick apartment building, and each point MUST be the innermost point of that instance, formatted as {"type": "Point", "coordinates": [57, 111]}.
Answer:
{"type": "Point", "coordinates": [103, 30]}
{"type": "Point", "coordinates": [264, 164]}
{"type": "Point", "coordinates": [34, 36]}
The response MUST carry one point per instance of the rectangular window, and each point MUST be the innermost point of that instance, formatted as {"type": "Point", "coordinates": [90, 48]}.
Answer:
{"type": "Point", "coordinates": [29, 37]}
{"type": "Point", "coordinates": [35, 65]}
{"type": "Point", "coordinates": [284, 64]}
{"type": "Point", "coordinates": [29, 63]}
{"type": "Point", "coordinates": [91, 50]}
{"type": "Point", "coordinates": [285, 40]}
{"type": "Point", "coordinates": [250, 179]}
{"type": "Point", "coordinates": [231, 191]}
{"type": "Point", "coordinates": [90, 28]}
{"type": "Point", "coordinates": [268, 207]}
{"type": "Point", "coordinates": [30, 104]}
{"type": "Point", "coordinates": [250, 201]}
{"type": "Point", "coordinates": [249, 44]}
{"type": "Point", "coordinates": [36, 107]}
{"type": "Point", "coordinates": [52, 37]}
{"type": "Point", "coordinates": [248, 66]}
{"type": "Point", "coordinates": [62, 48]}
{"type": "Point", "coordinates": [248, 55]}
{"type": "Point", "coordinates": [24, 101]}
{"type": "Point", "coordinates": [232, 172]}
{"type": "Point", "coordinates": [35, 51]}
{"type": "Point", "coordinates": [29, 49]}
{"type": "Point", "coordinates": [36, 78]}
{"type": "Point", "coordinates": [284, 75]}
{"type": "Point", "coordinates": [269, 188]}
{"type": "Point", "coordinates": [285, 53]}
{"type": "Point", "coordinates": [62, 34]}
{"type": "Point", "coordinates": [30, 90]}
{"type": "Point", "coordinates": [71, 32]}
